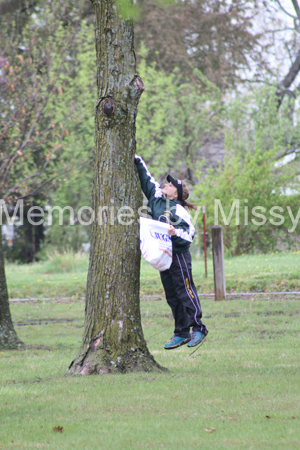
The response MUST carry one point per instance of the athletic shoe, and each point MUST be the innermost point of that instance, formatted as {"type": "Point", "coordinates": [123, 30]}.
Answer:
{"type": "Point", "coordinates": [177, 341]}
{"type": "Point", "coordinates": [197, 338]}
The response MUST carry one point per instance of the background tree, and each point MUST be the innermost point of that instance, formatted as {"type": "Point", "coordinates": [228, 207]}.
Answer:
{"type": "Point", "coordinates": [216, 37]}
{"type": "Point", "coordinates": [37, 86]}
{"type": "Point", "coordinates": [113, 338]}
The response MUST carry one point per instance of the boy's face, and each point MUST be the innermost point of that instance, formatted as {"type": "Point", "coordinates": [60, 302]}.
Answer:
{"type": "Point", "coordinates": [170, 191]}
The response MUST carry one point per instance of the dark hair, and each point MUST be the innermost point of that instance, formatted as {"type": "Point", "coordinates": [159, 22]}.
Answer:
{"type": "Point", "coordinates": [185, 195]}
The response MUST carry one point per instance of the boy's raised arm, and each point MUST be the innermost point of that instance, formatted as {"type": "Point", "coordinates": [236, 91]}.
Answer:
{"type": "Point", "coordinates": [149, 186]}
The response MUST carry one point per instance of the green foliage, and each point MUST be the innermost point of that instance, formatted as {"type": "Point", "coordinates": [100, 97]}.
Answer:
{"type": "Point", "coordinates": [73, 188]}
{"type": "Point", "coordinates": [252, 181]}
{"type": "Point", "coordinates": [174, 119]}
{"type": "Point", "coordinates": [256, 113]}
{"type": "Point", "coordinates": [65, 262]}
{"type": "Point", "coordinates": [128, 9]}
{"type": "Point", "coordinates": [165, 2]}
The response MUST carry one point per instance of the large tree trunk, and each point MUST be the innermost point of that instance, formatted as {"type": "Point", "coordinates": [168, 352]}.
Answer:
{"type": "Point", "coordinates": [113, 339]}
{"type": "Point", "coordinates": [8, 337]}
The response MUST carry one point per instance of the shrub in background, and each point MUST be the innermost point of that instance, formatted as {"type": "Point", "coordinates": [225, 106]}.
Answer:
{"type": "Point", "coordinates": [64, 260]}
{"type": "Point", "coordinates": [252, 178]}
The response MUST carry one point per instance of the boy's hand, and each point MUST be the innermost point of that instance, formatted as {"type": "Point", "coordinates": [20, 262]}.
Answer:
{"type": "Point", "coordinates": [171, 231]}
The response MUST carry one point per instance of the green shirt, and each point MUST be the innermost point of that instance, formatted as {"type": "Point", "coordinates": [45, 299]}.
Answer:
{"type": "Point", "coordinates": [166, 210]}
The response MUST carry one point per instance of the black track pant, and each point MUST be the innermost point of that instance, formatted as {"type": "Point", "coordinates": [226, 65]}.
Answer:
{"type": "Point", "coordinates": [182, 296]}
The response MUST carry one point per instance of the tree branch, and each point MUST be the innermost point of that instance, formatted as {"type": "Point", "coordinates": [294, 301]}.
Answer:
{"type": "Point", "coordinates": [53, 178]}
{"type": "Point", "coordinates": [281, 7]}
{"type": "Point", "coordinates": [296, 7]}
{"type": "Point", "coordinates": [289, 78]}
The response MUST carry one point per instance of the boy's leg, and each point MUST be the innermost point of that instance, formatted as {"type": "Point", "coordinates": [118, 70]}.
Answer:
{"type": "Point", "coordinates": [186, 290]}
{"type": "Point", "coordinates": [180, 315]}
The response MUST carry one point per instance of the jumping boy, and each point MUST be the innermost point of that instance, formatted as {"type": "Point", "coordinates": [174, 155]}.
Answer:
{"type": "Point", "coordinates": [168, 205]}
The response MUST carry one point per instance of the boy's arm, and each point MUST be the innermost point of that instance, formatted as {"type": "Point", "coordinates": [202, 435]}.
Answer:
{"type": "Point", "coordinates": [183, 225]}
{"type": "Point", "coordinates": [149, 186]}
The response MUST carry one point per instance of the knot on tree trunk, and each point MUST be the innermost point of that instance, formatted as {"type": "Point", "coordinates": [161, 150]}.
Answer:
{"type": "Point", "coordinates": [138, 84]}
{"type": "Point", "coordinates": [108, 106]}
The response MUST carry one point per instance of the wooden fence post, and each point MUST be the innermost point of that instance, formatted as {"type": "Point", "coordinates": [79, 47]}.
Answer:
{"type": "Point", "coordinates": [218, 258]}
{"type": "Point", "coordinates": [204, 241]}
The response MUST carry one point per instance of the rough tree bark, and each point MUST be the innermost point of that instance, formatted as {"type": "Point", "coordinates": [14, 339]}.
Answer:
{"type": "Point", "coordinates": [8, 337]}
{"type": "Point", "coordinates": [113, 339]}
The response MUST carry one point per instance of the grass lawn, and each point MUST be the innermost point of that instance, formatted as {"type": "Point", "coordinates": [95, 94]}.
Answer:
{"type": "Point", "coordinates": [66, 276]}
{"type": "Point", "coordinates": [244, 381]}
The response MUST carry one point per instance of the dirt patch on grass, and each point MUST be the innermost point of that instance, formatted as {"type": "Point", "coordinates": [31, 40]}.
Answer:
{"type": "Point", "coordinates": [38, 347]}
{"type": "Point", "coordinates": [46, 322]}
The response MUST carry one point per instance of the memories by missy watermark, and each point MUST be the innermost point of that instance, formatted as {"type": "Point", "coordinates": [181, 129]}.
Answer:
{"type": "Point", "coordinates": [111, 215]}
{"type": "Point", "coordinates": [239, 214]}
{"type": "Point", "coordinates": [258, 215]}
